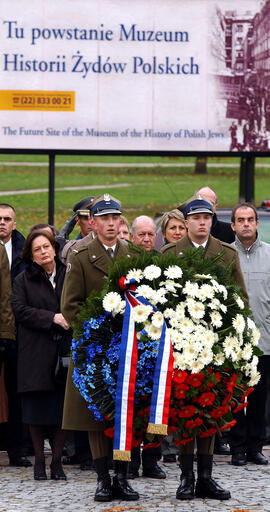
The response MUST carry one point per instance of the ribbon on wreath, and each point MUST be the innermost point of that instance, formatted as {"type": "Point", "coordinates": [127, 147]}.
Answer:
{"type": "Point", "coordinates": [124, 403]}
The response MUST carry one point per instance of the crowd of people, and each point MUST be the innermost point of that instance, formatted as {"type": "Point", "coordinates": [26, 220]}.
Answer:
{"type": "Point", "coordinates": [44, 280]}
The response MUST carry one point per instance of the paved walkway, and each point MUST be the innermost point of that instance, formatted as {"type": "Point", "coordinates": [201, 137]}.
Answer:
{"type": "Point", "coordinates": [249, 486]}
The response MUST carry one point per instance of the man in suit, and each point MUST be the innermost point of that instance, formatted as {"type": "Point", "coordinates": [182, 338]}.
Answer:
{"type": "Point", "coordinates": [86, 272]}
{"type": "Point", "coordinates": [219, 229]}
{"type": "Point", "coordinates": [198, 214]}
{"type": "Point", "coordinates": [13, 242]}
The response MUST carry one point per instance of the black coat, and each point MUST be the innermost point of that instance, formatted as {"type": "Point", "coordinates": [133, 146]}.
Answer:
{"type": "Point", "coordinates": [222, 230]}
{"type": "Point", "coordinates": [35, 302]}
{"type": "Point", "coordinates": [17, 263]}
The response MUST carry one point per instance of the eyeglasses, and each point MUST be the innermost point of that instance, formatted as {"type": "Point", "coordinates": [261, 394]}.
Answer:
{"type": "Point", "coordinates": [6, 219]}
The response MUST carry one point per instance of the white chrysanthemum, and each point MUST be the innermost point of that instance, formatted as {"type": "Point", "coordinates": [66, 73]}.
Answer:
{"type": "Point", "coordinates": [145, 291]}
{"type": "Point", "coordinates": [216, 319]}
{"type": "Point", "coordinates": [254, 362]}
{"type": "Point", "coordinates": [251, 324]}
{"type": "Point", "coordinates": [173, 272]}
{"type": "Point", "coordinates": [254, 379]}
{"type": "Point", "coordinates": [223, 308]}
{"type": "Point", "coordinates": [152, 272]}
{"type": "Point", "coordinates": [141, 313]}
{"type": "Point", "coordinates": [197, 366]}
{"type": "Point", "coordinates": [206, 292]}
{"type": "Point", "coordinates": [247, 352]}
{"type": "Point", "coordinates": [180, 312]}
{"type": "Point", "coordinates": [169, 313]}
{"type": "Point", "coordinates": [186, 325]}
{"type": "Point", "coordinates": [203, 276]}
{"type": "Point", "coordinates": [198, 335]}
{"type": "Point", "coordinates": [154, 332]}
{"type": "Point", "coordinates": [223, 290]}
{"type": "Point", "coordinates": [215, 285]}
{"type": "Point", "coordinates": [214, 304]}
{"type": "Point", "coordinates": [255, 336]}
{"type": "Point", "coordinates": [135, 273]}
{"type": "Point", "coordinates": [191, 289]}
{"type": "Point", "coordinates": [160, 296]}
{"type": "Point", "coordinates": [239, 301]}
{"type": "Point", "coordinates": [206, 356]}
{"type": "Point", "coordinates": [174, 322]}
{"type": "Point", "coordinates": [157, 319]}
{"type": "Point", "coordinates": [239, 323]}
{"type": "Point", "coordinates": [209, 338]}
{"type": "Point", "coordinates": [219, 359]}
{"type": "Point", "coordinates": [196, 309]}
{"type": "Point", "coordinates": [230, 345]}
{"type": "Point", "coordinates": [111, 301]}
{"type": "Point", "coordinates": [121, 308]}
{"type": "Point", "coordinates": [170, 286]}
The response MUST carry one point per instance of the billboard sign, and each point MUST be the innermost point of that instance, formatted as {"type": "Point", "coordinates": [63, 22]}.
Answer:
{"type": "Point", "coordinates": [142, 76]}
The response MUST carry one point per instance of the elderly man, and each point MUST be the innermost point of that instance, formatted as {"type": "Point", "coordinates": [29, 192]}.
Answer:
{"type": "Point", "coordinates": [198, 214]}
{"type": "Point", "coordinates": [143, 232]}
{"type": "Point", "coordinates": [247, 436]}
{"type": "Point", "coordinates": [86, 272]}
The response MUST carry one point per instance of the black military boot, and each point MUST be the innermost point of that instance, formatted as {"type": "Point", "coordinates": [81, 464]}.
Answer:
{"type": "Point", "coordinates": [104, 488]}
{"type": "Point", "coordinates": [121, 489]}
{"type": "Point", "coordinates": [206, 487]}
{"type": "Point", "coordinates": [185, 490]}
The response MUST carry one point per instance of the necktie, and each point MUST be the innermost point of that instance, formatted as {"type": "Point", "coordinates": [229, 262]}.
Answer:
{"type": "Point", "coordinates": [110, 252]}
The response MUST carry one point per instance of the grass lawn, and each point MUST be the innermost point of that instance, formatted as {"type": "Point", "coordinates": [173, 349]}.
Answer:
{"type": "Point", "coordinates": [148, 190]}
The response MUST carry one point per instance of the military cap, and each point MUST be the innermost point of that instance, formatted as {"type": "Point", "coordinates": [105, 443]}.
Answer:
{"type": "Point", "coordinates": [196, 204]}
{"type": "Point", "coordinates": [104, 205]}
{"type": "Point", "coordinates": [82, 207]}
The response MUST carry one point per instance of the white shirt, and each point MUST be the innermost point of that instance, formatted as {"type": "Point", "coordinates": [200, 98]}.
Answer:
{"type": "Point", "coordinates": [106, 247]}
{"type": "Point", "coordinates": [200, 245]}
{"type": "Point", "coordinates": [52, 277]}
{"type": "Point", "coordinates": [8, 247]}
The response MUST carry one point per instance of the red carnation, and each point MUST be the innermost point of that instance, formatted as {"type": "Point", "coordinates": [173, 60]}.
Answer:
{"type": "Point", "coordinates": [191, 424]}
{"type": "Point", "coordinates": [187, 411]}
{"type": "Point", "coordinates": [179, 376]}
{"type": "Point", "coordinates": [232, 382]}
{"type": "Point", "coordinates": [227, 398]}
{"type": "Point", "coordinates": [248, 391]}
{"type": "Point", "coordinates": [240, 407]}
{"type": "Point", "coordinates": [172, 428]}
{"type": "Point", "coordinates": [109, 432]}
{"type": "Point", "coordinates": [206, 399]}
{"type": "Point", "coordinates": [180, 391]}
{"type": "Point", "coordinates": [228, 425]}
{"type": "Point", "coordinates": [220, 411]}
{"type": "Point", "coordinates": [195, 379]}
{"type": "Point", "coordinates": [208, 433]}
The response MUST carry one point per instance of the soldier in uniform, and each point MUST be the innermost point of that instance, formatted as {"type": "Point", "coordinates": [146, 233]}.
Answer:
{"type": "Point", "coordinates": [85, 273]}
{"type": "Point", "coordinates": [7, 327]}
{"type": "Point", "coordinates": [198, 214]}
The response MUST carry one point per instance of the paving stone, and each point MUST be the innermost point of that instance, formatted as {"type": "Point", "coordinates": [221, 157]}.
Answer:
{"type": "Point", "coordinates": [249, 487]}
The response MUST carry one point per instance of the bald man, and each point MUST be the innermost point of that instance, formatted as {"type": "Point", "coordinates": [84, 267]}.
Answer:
{"type": "Point", "coordinates": [143, 232]}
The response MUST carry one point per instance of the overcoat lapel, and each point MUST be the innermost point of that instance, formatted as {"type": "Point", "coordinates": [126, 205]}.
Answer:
{"type": "Point", "coordinates": [98, 256]}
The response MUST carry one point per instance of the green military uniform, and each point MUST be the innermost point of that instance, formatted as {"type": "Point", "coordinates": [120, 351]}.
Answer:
{"type": "Point", "coordinates": [85, 273]}
{"type": "Point", "coordinates": [213, 247]}
{"type": "Point", "coordinates": [7, 326]}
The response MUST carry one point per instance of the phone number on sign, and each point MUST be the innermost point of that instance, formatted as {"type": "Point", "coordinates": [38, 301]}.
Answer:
{"type": "Point", "coordinates": [37, 100]}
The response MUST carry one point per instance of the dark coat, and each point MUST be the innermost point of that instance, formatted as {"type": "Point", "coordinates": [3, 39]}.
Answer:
{"type": "Point", "coordinates": [222, 230]}
{"type": "Point", "coordinates": [86, 272]}
{"type": "Point", "coordinates": [17, 263]}
{"type": "Point", "coordinates": [7, 327]}
{"type": "Point", "coordinates": [35, 302]}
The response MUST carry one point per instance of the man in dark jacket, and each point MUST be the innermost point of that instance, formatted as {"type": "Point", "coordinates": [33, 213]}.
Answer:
{"type": "Point", "coordinates": [13, 241]}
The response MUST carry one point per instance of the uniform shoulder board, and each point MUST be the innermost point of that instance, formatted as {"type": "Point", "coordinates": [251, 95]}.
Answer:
{"type": "Point", "coordinates": [228, 246]}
